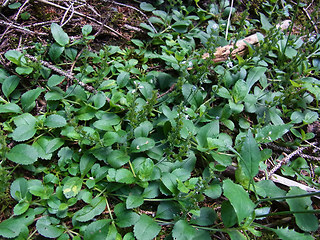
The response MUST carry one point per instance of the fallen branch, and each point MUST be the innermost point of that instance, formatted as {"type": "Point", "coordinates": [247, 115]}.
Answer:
{"type": "Point", "coordinates": [290, 183]}
{"type": "Point", "coordinates": [240, 47]}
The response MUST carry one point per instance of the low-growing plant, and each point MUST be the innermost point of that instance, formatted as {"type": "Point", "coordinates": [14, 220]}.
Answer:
{"type": "Point", "coordinates": [117, 150]}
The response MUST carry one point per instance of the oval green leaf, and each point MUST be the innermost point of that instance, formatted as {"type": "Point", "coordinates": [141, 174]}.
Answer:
{"type": "Point", "coordinates": [59, 35]}
{"type": "Point", "coordinates": [23, 154]}
{"type": "Point", "coordinates": [142, 144]}
{"type": "Point", "coordinates": [55, 121]}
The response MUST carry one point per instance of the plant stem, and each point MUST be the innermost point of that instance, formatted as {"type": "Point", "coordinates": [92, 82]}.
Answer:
{"type": "Point", "coordinates": [288, 213]}
{"type": "Point", "coordinates": [288, 197]}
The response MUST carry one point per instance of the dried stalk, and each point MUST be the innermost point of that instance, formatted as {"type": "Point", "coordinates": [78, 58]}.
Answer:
{"type": "Point", "coordinates": [63, 73]}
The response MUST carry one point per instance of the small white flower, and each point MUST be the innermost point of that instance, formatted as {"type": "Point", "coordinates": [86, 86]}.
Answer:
{"type": "Point", "coordinates": [215, 27]}
{"type": "Point", "coordinates": [229, 64]}
{"type": "Point", "coordinates": [312, 39]}
{"type": "Point", "coordinates": [138, 147]}
{"type": "Point", "coordinates": [91, 178]}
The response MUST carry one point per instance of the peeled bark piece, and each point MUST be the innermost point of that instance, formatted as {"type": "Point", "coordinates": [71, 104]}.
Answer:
{"type": "Point", "coordinates": [241, 46]}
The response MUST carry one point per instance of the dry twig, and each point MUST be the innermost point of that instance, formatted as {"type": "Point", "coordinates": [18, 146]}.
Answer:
{"type": "Point", "coordinates": [286, 159]}
{"type": "Point", "coordinates": [83, 15]}
{"type": "Point", "coordinates": [21, 29]}
{"type": "Point", "coordinates": [20, 10]}
{"type": "Point", "coordinates": [144, 15]}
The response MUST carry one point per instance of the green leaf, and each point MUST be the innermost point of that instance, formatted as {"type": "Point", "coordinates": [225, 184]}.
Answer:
{"type": "Point", "coordinates": [24, 119]}
{"type": "Point", "coordinates": [144, 169]}
{"type": "Point", "coordinates": [307, 222]}
{"type": "Point", "coordinates": [54, 80]}
{"type": "Point", "coordinates": [250, 156]}
{"type": "Point", "coordinates": [86, 30]}
{"type": "Point", "coordinates": [265, 22]}
{"type": "Point", "coordinates": [23, 132]}
{"type": "Point", "coordinates": [206, 218]}
{"type": "Point", "coordinates": [297, 117]}
{"type": "Point", "coordinates": [21, 207]}
{"type": "Point", "coordinates": [170, 181]}
{"type": "Point", "coordinates": [147, 7]}
{"type": "Point", "coordinates": [125, 218]}
{"type": "Point", "coordinates": [254, 75]}
{"type": "Point", "coordinates": [23, 154]}
{"type": "Point", "coordinates": [25, 15]}
{"type": "Point", "coordinates": [167, 210]}
{"type": "Point", "coordinates": [123, 79]}
{"type": "Point", "coordinates": [117, 158]}
{"type": "Point", "coordinates": [236, 235]}
{"type": "Point", "coordinates": [124, 176]}
{"type": "Point", "coordinates": [55, 51]}
{"type": "Point", "coordinates": [168, 58]}
{"type": "Point", "coordinates": [183, 231]}
{"type": "Point", "coordinates": [15, 56]}
{"type": "Point", "coordinates": [209, 130]}
{"type": "Point", "coordinates": [213, 191]}
{"type": "Point", "coordinates": [271, 133]}
{"type": "Point", "coordinates": [59, 35]}
{"type": "Point", "coordinates": [40, 145]}
{"type": "Point", "coordinates": [46, 227]}
{"type": "Point", "coordinates": [146, 228]}
{"type": "Point", "coordinates": [10, 84]}
{"type": "Point", "coordinates": [228, 215]}
{"type": "Point", "coordinates": [239, 199]}
{"type": "Point", "coordinates": [54, 94]}
{"type": "Point", "coordinates": [134, 201]}
{"type": "Point", "coordinates": [110, 138]}
{"type": "Point", "coordinates": [310, 117]}
{"type": "Point", "coordinates": [143, 129]}
{"type": "Point", "coordinates": [142, 144]}
{"type": "Point", "coordinates": [55, 121]}
{"type": "Point", "coordinates": [19, 189]}
{"type": "Point", "coordinates": [72, 187]}
{"type": "Point", "coordinates": [10, 229]}
{"type": "Point", "coordinates": [290, 234]}
{"type": "Point", "coordinates": [28, 99]}
{"type": "Point", "coordinates": [15, 5]}
{"type": "Point", "coordinates": [24, 70]}
{"type": "Point", "coordinates": [239, 91]}
{"type": "Point", "coordinates": [97, 230]}
{"type": "Point", "coordinates": [10, 108]}
{"type": "Point", "coordinates": [97, 206]}
{"type": "Point", "coordinates": [268, 188]}
{"type": "Point", "coordinates": [54, 145]}
{"type": "Point", "coordinates": [99, 99]}
{"type": "Point", "coordinates": [181, 26]}
{"type": "Point", "coordinates": [86, 162]}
